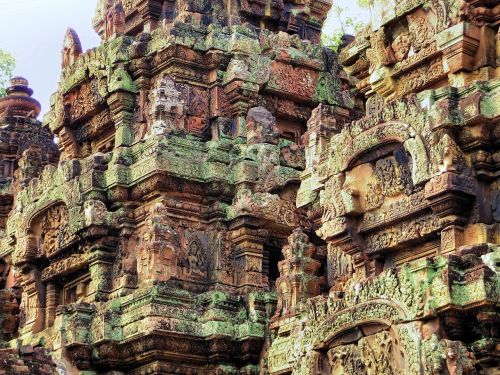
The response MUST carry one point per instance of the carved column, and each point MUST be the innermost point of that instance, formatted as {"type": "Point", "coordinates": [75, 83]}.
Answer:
{"type": "Point", "coordinates": [51, 303]}
{"type": "Point", "coordinates": [451, 238]}
{"type": "Point", "coordinates": [121, 105]}
{"type": "Point", "coordinates": [249, 250]}
{"type": "Point", "coordinates": [33, 301]}
{"type": "Point", "coordinates": [101, 267]}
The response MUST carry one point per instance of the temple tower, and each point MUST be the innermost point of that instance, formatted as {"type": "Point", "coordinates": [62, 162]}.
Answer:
{"type": "Point", "coordinates": [155, 244]}
{"type": "Point", "coordinates": [406, 200]}
{"type": "Point", "coordinates": [20, 134]}
{"type": "Point", "coordinates": [25, 148]}
{"type": "Point", "coordinates": [201, 138]}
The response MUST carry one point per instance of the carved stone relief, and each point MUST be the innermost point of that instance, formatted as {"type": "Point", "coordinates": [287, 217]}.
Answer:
{"type": "Point", "coordinates": [54, 230]}
{"type": "Point", "coordinates": [167, 112]}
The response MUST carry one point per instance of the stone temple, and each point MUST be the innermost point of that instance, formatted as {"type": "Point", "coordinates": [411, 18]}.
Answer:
{"type": "Point", "coordinates": [213, 192]}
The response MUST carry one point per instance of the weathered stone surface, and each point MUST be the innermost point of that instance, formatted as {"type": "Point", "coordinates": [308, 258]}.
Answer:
{"type": "Point", "coordinates": [261, 126]}
{"type": "Point", "coordinates": [396, 196]}
{"type": "Point", "coordinates": [224, 201]}
{"type": "Point", "coordinates": [26, 361]}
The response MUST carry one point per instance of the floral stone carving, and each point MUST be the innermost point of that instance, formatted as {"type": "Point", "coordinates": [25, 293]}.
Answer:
{"type": "Point", "coordinates": [227, 196]}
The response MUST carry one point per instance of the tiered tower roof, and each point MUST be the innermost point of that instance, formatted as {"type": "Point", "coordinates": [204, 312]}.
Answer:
{"type": "Point", "coordinates": [18, 101]}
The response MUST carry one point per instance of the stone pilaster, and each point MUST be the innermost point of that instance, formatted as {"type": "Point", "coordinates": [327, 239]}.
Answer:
{"type": "Point", "coordinates": [121, 105]}
{"type": "Point", "coordinates": [248, 254]}
{"type": "Point", "coordinates": [52, 295]}
{"type": "Point", "coordinates": [100, 275]}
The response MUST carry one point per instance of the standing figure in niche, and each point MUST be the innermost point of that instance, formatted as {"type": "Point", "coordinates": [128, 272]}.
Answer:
{"type": "Point", "coordinates": [115, 19]}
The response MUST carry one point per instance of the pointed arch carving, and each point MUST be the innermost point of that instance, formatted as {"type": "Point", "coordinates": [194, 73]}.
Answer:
{"type": "Point", "coordinates": [347, 149]}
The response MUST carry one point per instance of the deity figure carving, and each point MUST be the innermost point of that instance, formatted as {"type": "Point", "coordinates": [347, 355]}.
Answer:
{"type": "Point", "coordinates": [168, 110]}
{"type": "Point", "coordinates": [196, 257]}
{"type": "Point", "coordinates": [54, 230]}
{"type": "Point", "coordinates": [340, 267]}
{"type": "Point", "coordinates": [450, 155]}
{"type": "Point", "coordinates": [95, 212]}
{"type": "Point", "coordinates": [72, 48]}
{"type": "Point", "coordinates": [158, 247]}
{"type": "Point", "coordinates": [376, 354]}
{"type": "Point", "coordinates": [346, 359]}
{"type": "Point", "coordinates": [392, 176]}
{"type": "Point", "coordinates": [125, 265]}
{"type": "Point", "coordinates": [115, 18]}
{"type": "Point", "coordinates": [401, 46]}
{"type": "Point", "coordinates": [212, 191]}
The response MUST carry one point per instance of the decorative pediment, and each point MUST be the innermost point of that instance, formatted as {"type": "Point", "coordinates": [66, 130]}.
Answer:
{"type": "Point", "coordinates": [52, 230]}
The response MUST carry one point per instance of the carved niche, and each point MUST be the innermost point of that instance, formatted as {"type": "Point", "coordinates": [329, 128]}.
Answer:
{"type": "Point", "coordinates": [48, 256]}
{"type": "Point", "coordinates": [52, 230]}
{"type": "Point", "coordinates": [367, 185]}
{"type": "Point", "coordinates": [125, 266]}
{"type": "Point", "coordinates": [168, 110]}
{"type": "Point", "coordinates": [55, 232]}
{"type": "Point", "coordinates": [196, 257]}
{"type": "Point", "coordinates": [346, 359]}
{"type": "Point", "coordinates": [158, 247]}
{"type": "Point", "coordinates": [376, 354]}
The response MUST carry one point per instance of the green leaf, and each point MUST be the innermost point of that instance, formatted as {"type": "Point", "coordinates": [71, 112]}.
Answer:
{"type": "Point", "coordinates": [346, 25]}
{"type": "Point", "coordinates": [7, 65]}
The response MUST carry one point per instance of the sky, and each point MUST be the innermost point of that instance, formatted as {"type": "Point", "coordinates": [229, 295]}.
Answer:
{"type": "Point", "coordinates": [33, 32]}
